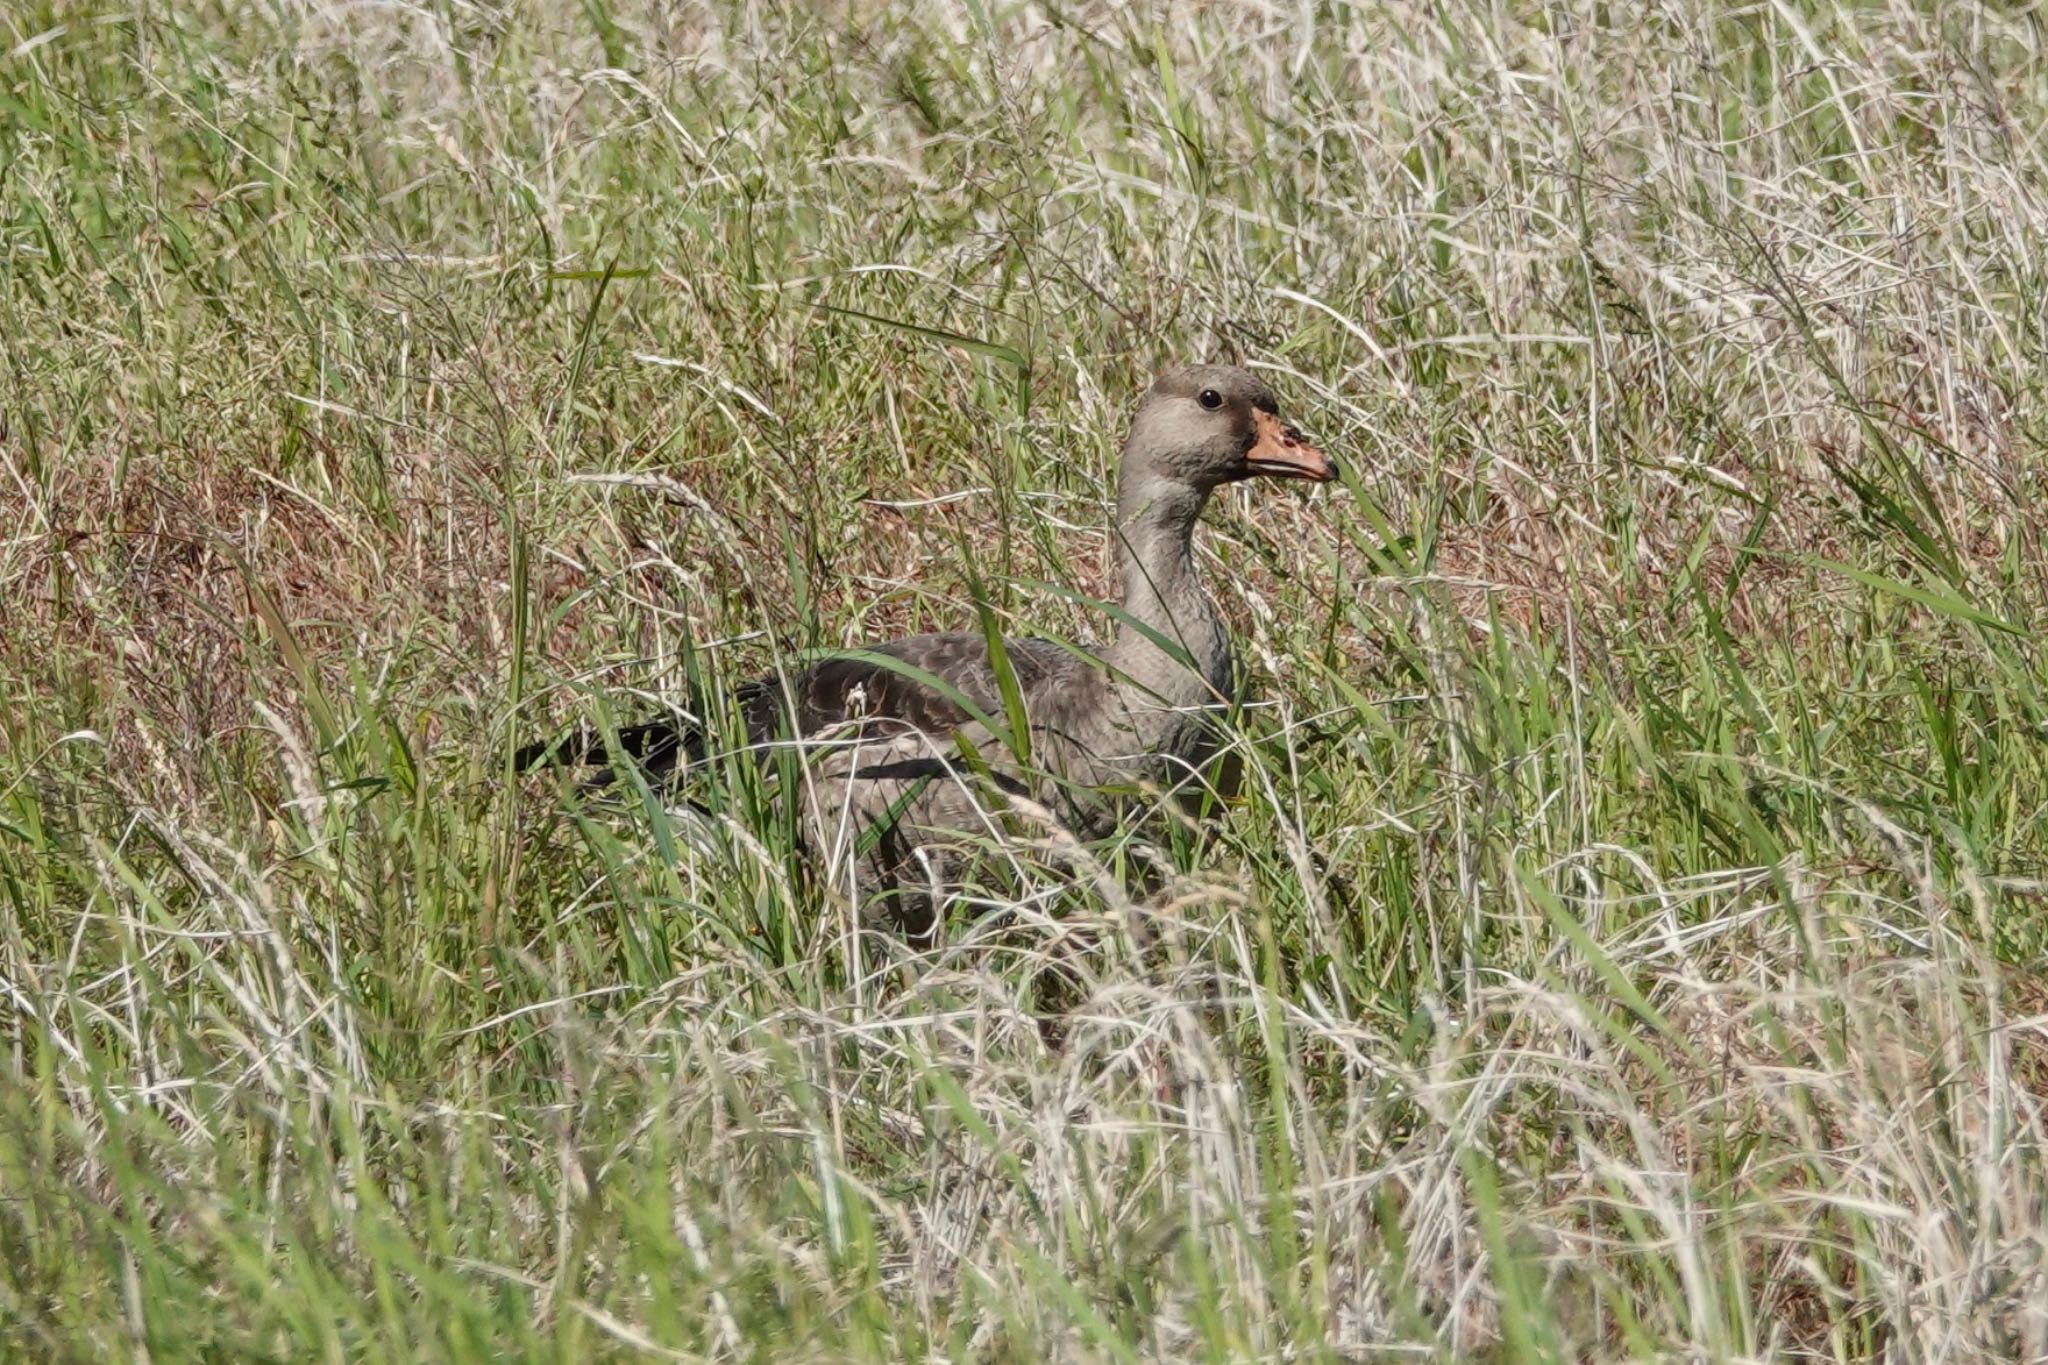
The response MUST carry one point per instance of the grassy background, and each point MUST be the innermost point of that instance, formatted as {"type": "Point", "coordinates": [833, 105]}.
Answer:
{"type": "Point", "coordinates": [1628, 947]}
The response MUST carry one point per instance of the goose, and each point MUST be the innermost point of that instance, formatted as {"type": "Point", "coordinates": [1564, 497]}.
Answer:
{"type": "Point", "coordinates": [900, 743]}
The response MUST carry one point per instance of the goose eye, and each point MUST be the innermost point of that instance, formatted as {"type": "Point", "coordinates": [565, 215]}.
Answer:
{"type": "Point", "coordinates": [1211, 399]}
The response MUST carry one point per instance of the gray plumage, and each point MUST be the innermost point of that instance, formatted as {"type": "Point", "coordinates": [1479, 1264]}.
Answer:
{"type": "Point", "coordinates": [899, 779]}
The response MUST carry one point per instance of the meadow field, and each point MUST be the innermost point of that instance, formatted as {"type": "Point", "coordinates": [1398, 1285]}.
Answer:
{"type": "Point", "coordinates": [1629, 942]}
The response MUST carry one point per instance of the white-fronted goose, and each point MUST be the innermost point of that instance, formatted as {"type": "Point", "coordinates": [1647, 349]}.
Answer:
{"type": "Point", "coordinates": [895, 800]}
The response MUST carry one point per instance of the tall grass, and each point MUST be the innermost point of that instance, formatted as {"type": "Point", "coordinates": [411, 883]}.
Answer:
{"type": "Point", "coordinates": [1629, 942]}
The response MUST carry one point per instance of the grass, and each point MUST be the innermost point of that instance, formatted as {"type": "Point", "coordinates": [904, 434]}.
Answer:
{"type": "Point", "coordinates": [1629, 945]}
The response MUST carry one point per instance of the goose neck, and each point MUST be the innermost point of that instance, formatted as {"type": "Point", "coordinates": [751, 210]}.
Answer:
{"type": "Point", "coordinates": [1162, 591]}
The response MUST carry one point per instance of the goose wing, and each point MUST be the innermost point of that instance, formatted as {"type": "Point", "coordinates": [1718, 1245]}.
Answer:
{"type": "Point", "coordinates": [887, 686]}
{"type": "Point", "coordinates": [921, 685]}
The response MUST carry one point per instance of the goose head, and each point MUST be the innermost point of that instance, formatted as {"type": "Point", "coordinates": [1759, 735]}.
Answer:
{"type": "Point", "coordinates": [1203, 426]}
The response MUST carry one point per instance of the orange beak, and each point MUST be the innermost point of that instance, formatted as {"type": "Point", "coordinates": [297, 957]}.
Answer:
{"type": "Point", "coordinates": [1281, 452]}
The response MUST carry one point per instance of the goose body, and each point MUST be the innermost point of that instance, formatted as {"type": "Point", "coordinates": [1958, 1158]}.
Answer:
{"type": "Point", "coordinates": [900, 778]}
